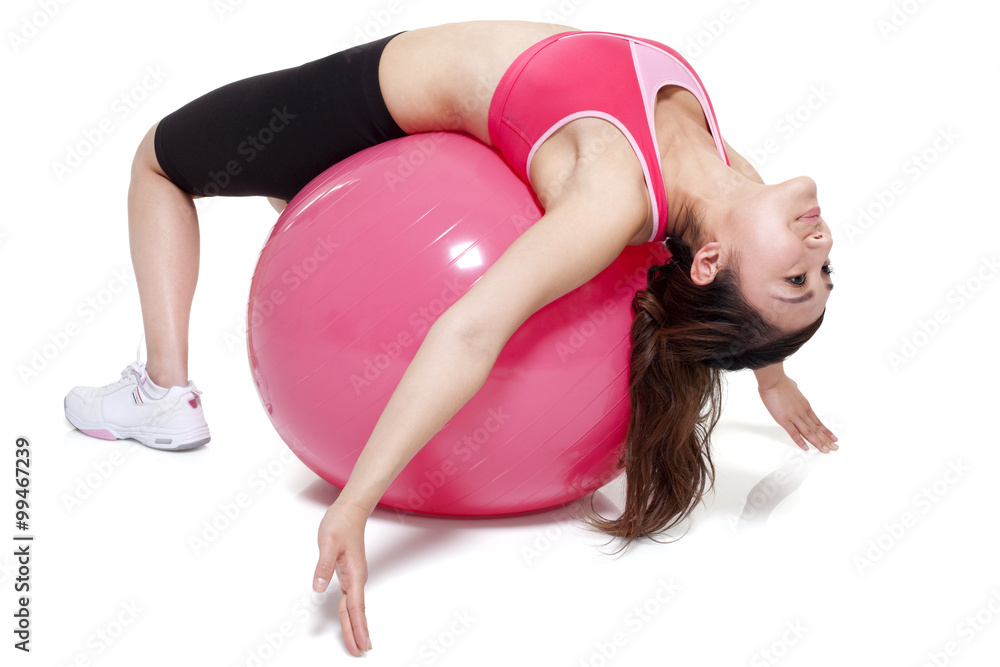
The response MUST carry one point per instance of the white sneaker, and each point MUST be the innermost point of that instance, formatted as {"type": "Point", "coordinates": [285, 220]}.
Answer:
{"type": "Point", "coordinates": [127, 409]}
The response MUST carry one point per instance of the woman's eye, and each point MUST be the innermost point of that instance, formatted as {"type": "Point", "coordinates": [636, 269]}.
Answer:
{"type": "Point", "coordinates": [798, 281]}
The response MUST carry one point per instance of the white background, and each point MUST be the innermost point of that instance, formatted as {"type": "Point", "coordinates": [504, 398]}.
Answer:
{"type": "Point", "coordinates": [873, 555]}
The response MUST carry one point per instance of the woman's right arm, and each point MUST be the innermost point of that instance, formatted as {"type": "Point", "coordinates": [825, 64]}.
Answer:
{"type": "Point", "coordinates": [575, 240]}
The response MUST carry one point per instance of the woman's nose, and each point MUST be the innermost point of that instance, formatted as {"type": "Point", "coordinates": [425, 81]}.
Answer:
{"type": "Point", "coordinates": [805, 186]}
{"type": "Point", "coordinates": [820, 240]}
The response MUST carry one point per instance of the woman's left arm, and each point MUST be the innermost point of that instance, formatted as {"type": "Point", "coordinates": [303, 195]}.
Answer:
{"type": "Point", "coordinates": [791, 410]}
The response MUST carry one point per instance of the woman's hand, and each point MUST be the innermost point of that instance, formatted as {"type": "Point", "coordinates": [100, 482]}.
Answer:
{"type": "Point", "coordinates": [791, 410]}
{"type": "Point", "coordinates": [342, 550]}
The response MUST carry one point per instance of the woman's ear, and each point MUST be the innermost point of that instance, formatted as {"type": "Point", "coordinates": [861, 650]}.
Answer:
{"type": "Point", "coordinates": [705, 264]}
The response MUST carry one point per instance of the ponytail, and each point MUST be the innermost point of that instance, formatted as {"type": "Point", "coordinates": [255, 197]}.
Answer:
{"type": "Point", "coordinates": [683, 336]}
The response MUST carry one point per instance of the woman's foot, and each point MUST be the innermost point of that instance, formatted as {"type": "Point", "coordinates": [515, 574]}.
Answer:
{"type": "Point", "coordinates": [133, 407]}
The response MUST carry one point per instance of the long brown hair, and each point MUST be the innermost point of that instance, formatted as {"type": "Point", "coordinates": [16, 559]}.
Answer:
{"type": "Point", "coordinates": [684, 335]}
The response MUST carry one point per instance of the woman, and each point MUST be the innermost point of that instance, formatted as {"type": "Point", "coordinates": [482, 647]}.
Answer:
{"type": "Point", "coordinates": [588, 120]}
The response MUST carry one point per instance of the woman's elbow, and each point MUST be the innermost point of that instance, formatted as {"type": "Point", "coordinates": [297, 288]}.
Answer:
{"type": "Point", "coordinates": [477, 334]}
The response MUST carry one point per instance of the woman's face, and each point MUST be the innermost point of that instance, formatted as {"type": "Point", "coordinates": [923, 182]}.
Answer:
{"type": "Point", "coordinates": [783, 245]}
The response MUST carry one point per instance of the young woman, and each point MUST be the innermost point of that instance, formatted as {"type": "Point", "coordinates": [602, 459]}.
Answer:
{"type": "Point", "coordinates": [607, 130]}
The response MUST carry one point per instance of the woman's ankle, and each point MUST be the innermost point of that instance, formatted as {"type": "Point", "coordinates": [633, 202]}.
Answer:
{"type": "Point", "coordinates": [166, 378]}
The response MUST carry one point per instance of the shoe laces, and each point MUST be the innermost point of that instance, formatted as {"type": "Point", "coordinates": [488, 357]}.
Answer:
{"type": "Point", "coordinates": [137, 368]}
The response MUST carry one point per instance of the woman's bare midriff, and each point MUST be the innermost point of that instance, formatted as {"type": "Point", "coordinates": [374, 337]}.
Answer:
{"type": "Point", "coordinates": [443, 78]}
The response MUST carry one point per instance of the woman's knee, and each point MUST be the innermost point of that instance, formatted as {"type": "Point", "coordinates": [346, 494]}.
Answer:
{"type": "Point", "coordinates": [145, 161]}
{"type": "Point", "coordinates": [145, 154]}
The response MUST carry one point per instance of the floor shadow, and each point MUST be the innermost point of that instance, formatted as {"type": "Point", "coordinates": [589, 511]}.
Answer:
{"type": "Point", "coordinates": [765, 493]}
{"type": "Point", "coordinates": [768, 431]}
{"type": "Point", "coordinates": [426, 532]}
{"type": "Point", "coordinates": [770, 491]}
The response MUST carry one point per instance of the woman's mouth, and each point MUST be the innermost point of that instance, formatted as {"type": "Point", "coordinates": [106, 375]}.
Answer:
{"type": "Point", "coordinates": [811, 213]}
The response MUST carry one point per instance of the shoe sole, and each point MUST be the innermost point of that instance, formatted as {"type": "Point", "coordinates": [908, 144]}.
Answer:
{"type": "Point", "coordinates": [166, 440]}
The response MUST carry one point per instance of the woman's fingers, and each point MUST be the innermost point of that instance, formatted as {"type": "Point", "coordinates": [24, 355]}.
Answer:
{"type": "Point", "coordinates": [321, 580]}
{"type": "Point", "coordinates": [813, 431]}
{"type": "Point", "coordinates": [793, 433]}
{"type": "Point", "coordinates": [821, 434]}
{"type": "Point", "coordinates": [347, 629]}
{"type": "Point", "coordinates": [822, 427]}
{"type": "Point", "coordinates": [353, 602]}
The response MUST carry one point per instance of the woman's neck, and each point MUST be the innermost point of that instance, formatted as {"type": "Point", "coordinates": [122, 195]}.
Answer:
{"type": "Point", "coordinates": [695, 175]}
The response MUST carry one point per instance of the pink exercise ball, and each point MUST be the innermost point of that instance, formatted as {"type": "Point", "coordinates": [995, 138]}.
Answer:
{"type": "Point", "coordinates": [357, 268]}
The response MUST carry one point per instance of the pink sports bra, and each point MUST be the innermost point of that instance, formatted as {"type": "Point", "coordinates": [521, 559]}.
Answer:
{"type": "Point", "coordinates": [592, 74]}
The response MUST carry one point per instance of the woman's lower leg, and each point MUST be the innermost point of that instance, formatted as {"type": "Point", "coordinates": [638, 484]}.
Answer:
{"type": "Point", "coordinates": [164, 242]}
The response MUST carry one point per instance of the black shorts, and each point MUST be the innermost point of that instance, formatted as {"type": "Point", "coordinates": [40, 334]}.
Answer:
{"type": "Point", "coordinates": [269, 135]}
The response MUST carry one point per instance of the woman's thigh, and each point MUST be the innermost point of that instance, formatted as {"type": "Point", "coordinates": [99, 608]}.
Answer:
{"type": "Point", "coordinates": [269, 135]}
